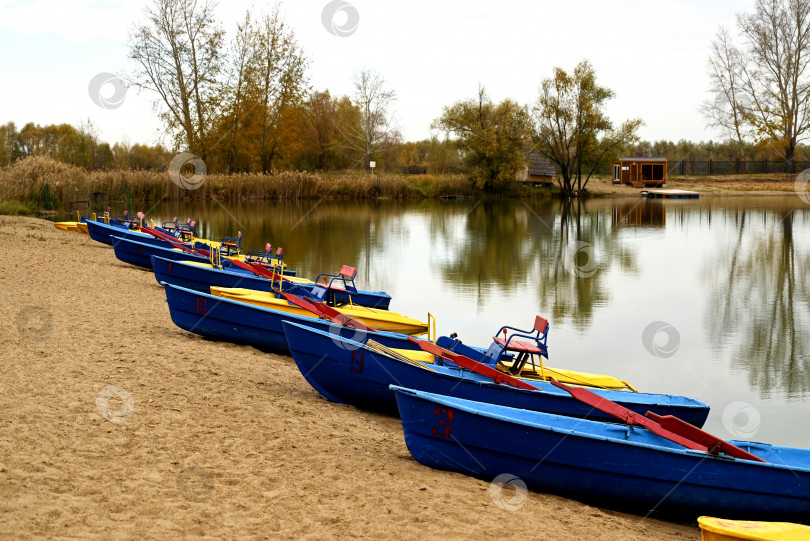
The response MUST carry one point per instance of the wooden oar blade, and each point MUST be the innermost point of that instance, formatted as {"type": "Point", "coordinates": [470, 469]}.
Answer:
{"type": "Point", "coordinates": [628, 416]}
{"type": "Point", "coordinates": [242, 265]}
{"type": "Point", "coordinates": [681, 427]}
{"type": "Point", "coordinates": [325, 312]}
{"type": "Point", "coordinates": [473, 365]}
{"type": "Point", "coordinates": [302, 303]}
{"type": "Point", "coordinates": [173, 241]}
{"type": "Point", "coordinates": [264, 272]}
{"type": "Point", "coordinates": [340, 317]}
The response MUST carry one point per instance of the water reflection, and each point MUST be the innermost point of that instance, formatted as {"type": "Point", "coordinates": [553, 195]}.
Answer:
{"type": "Point", "coordinates": [316, 237]}
{"type": "Point", "coordinates": [600, 270]}
{"type": "Point", "coordinates": [759, 303]}
{"type": "Point", "coordinates": [578, 251]}
{"type": "Point", "coordinates": [563, 251]}
{"type": "Point", "coordinates": [495, 251]}
{"type": "Point", "coordinates": [644, 213]}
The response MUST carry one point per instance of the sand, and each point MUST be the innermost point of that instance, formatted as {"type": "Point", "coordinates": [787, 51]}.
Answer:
{"type": "Point", "coordinates": [115, 423]}
{"type": "Point", "coordinates": [726, 186]}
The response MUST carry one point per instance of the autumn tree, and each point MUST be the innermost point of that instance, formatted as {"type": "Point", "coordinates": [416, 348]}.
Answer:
{"type": "Point", "coordinates": [177, 51]}
{"type": "Point", "coordinates": [238, 95]}
{"type": "Point", "coordinates": [321, 116]}
{"type": "Point", "coordinates": [63, 142]}
{"type": "Point", "coordinates": [491, 138]}
{"type": "Point", "coordinates": [443, 156]}
{"type": "Point", "coordinates": [768, 73]}
{"type": "Point", "coordinates": [321, 119]}
{"type": "Point", "coordinates": [571, 128]}
{"type": "Point", "coordinates": [280, 83]}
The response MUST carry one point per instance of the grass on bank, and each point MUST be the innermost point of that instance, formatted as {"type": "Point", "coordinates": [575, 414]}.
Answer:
{"type": "Point", "coordinates": [23, 186]}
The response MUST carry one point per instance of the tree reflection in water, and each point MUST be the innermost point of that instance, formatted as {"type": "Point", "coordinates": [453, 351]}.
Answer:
{"type": "Point", "coordinates": [759, 303]}
{"type": "Point", "coordinates": [564, 248]}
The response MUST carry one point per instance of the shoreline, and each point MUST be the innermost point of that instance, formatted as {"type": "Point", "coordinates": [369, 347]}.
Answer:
{"type": "Point", "coordinates": [121, 425]}
{"type": "Point", "coordinates": [38, 183]}
{"type": "Point", "coordinates": [732, 187]}
{"type": "Point", "coordinates": [601, 193]}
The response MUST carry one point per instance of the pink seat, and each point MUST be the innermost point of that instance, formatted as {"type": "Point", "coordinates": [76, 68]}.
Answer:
{"type": "Point", "coordinates": [519, 345]}
{"type": "Point", "coordinates": [348, 272]}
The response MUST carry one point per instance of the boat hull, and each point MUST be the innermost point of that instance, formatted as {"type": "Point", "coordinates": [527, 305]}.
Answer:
{"type": "Point", "coordinates": [140, 253]}
{"type": "Point", "coordinates": [344, 371]}
{"type": "Point", "coordinates": [202, 278]}
{"type": "Point", "coordinates": [617, 466]}
{"type": "Point", "coordinates": [231, 321]}
{"type": "Point", "coordinates": [381, 320]}
{"type": "Point", "coordinates": [102, 232]}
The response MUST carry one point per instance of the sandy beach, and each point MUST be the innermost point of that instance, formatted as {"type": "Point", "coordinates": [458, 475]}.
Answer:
{"type": "Point", "coordinates": [724, 186]}
{"type": "Point", "coordinates": [116, 424]}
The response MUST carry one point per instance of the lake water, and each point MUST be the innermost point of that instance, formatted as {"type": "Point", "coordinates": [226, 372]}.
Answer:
{"type": "Point", "coordinates": [706, 298]}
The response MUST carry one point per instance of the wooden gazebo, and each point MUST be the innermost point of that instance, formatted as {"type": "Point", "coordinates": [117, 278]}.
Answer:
{"type": "Point", "coordinates": [641, 172]}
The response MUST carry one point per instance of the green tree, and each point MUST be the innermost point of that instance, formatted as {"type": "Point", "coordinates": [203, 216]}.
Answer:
{"type": "Point", "coordinates": [491, 137]}
{"type": "Point", "coordinates": [572, 129]}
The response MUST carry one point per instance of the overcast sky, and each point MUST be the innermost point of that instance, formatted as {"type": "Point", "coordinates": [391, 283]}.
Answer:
{"type": "Point", "coordinates": [433, 53]}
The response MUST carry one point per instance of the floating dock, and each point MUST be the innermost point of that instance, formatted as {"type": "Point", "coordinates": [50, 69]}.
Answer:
{"type": "Point", "coordinates": [670, 194]}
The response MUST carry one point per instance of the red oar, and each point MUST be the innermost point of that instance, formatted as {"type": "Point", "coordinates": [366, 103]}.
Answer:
{"type": "Point", "coordinates": [159, 234]}
{"type": "Point", "coordinates": [261, 270]}
{"type": "Point", "coordinates": [340, 317]}
{"type": "Point", "coordinates": [715, 444]}
{"type": "Point", "coordinates": [258, 270]}
{"type": "Point", "coordinates": [672, 428]}
{"type": "Point", "coordinates": [325, 312]}
{"type": "Point", "coordinates": [249, 267]}
{"type": "Point", "coordinates": [470, 364]}
{"type": "Point", "coordinates": [628, 416]}
{"type": "Point", "coordinates": [173, 241]}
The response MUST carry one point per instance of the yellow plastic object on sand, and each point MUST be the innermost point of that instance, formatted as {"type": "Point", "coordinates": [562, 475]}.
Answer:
{"type": "Point", "coordinates": [381, 320]}
{"type": "Point", "coordinates": [720, 529]}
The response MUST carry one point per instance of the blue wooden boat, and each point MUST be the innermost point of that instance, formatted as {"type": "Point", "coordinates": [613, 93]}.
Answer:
{"type": "Point", "coordinates": [201, 278]}
{"type": "Point", "coordinates": [242, 323]}
{"type": "Point", "coordinates": [350, 372]}
{"type": "Point", "coordinates": [618, 466]}
{"type": "Point", "coordinates": [139, 253]}
{"type": "Point", "coordinates": [101, 232]}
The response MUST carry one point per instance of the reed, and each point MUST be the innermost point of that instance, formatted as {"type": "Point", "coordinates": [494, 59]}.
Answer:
{"type": "Point", "coordinates": [25, 183]}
